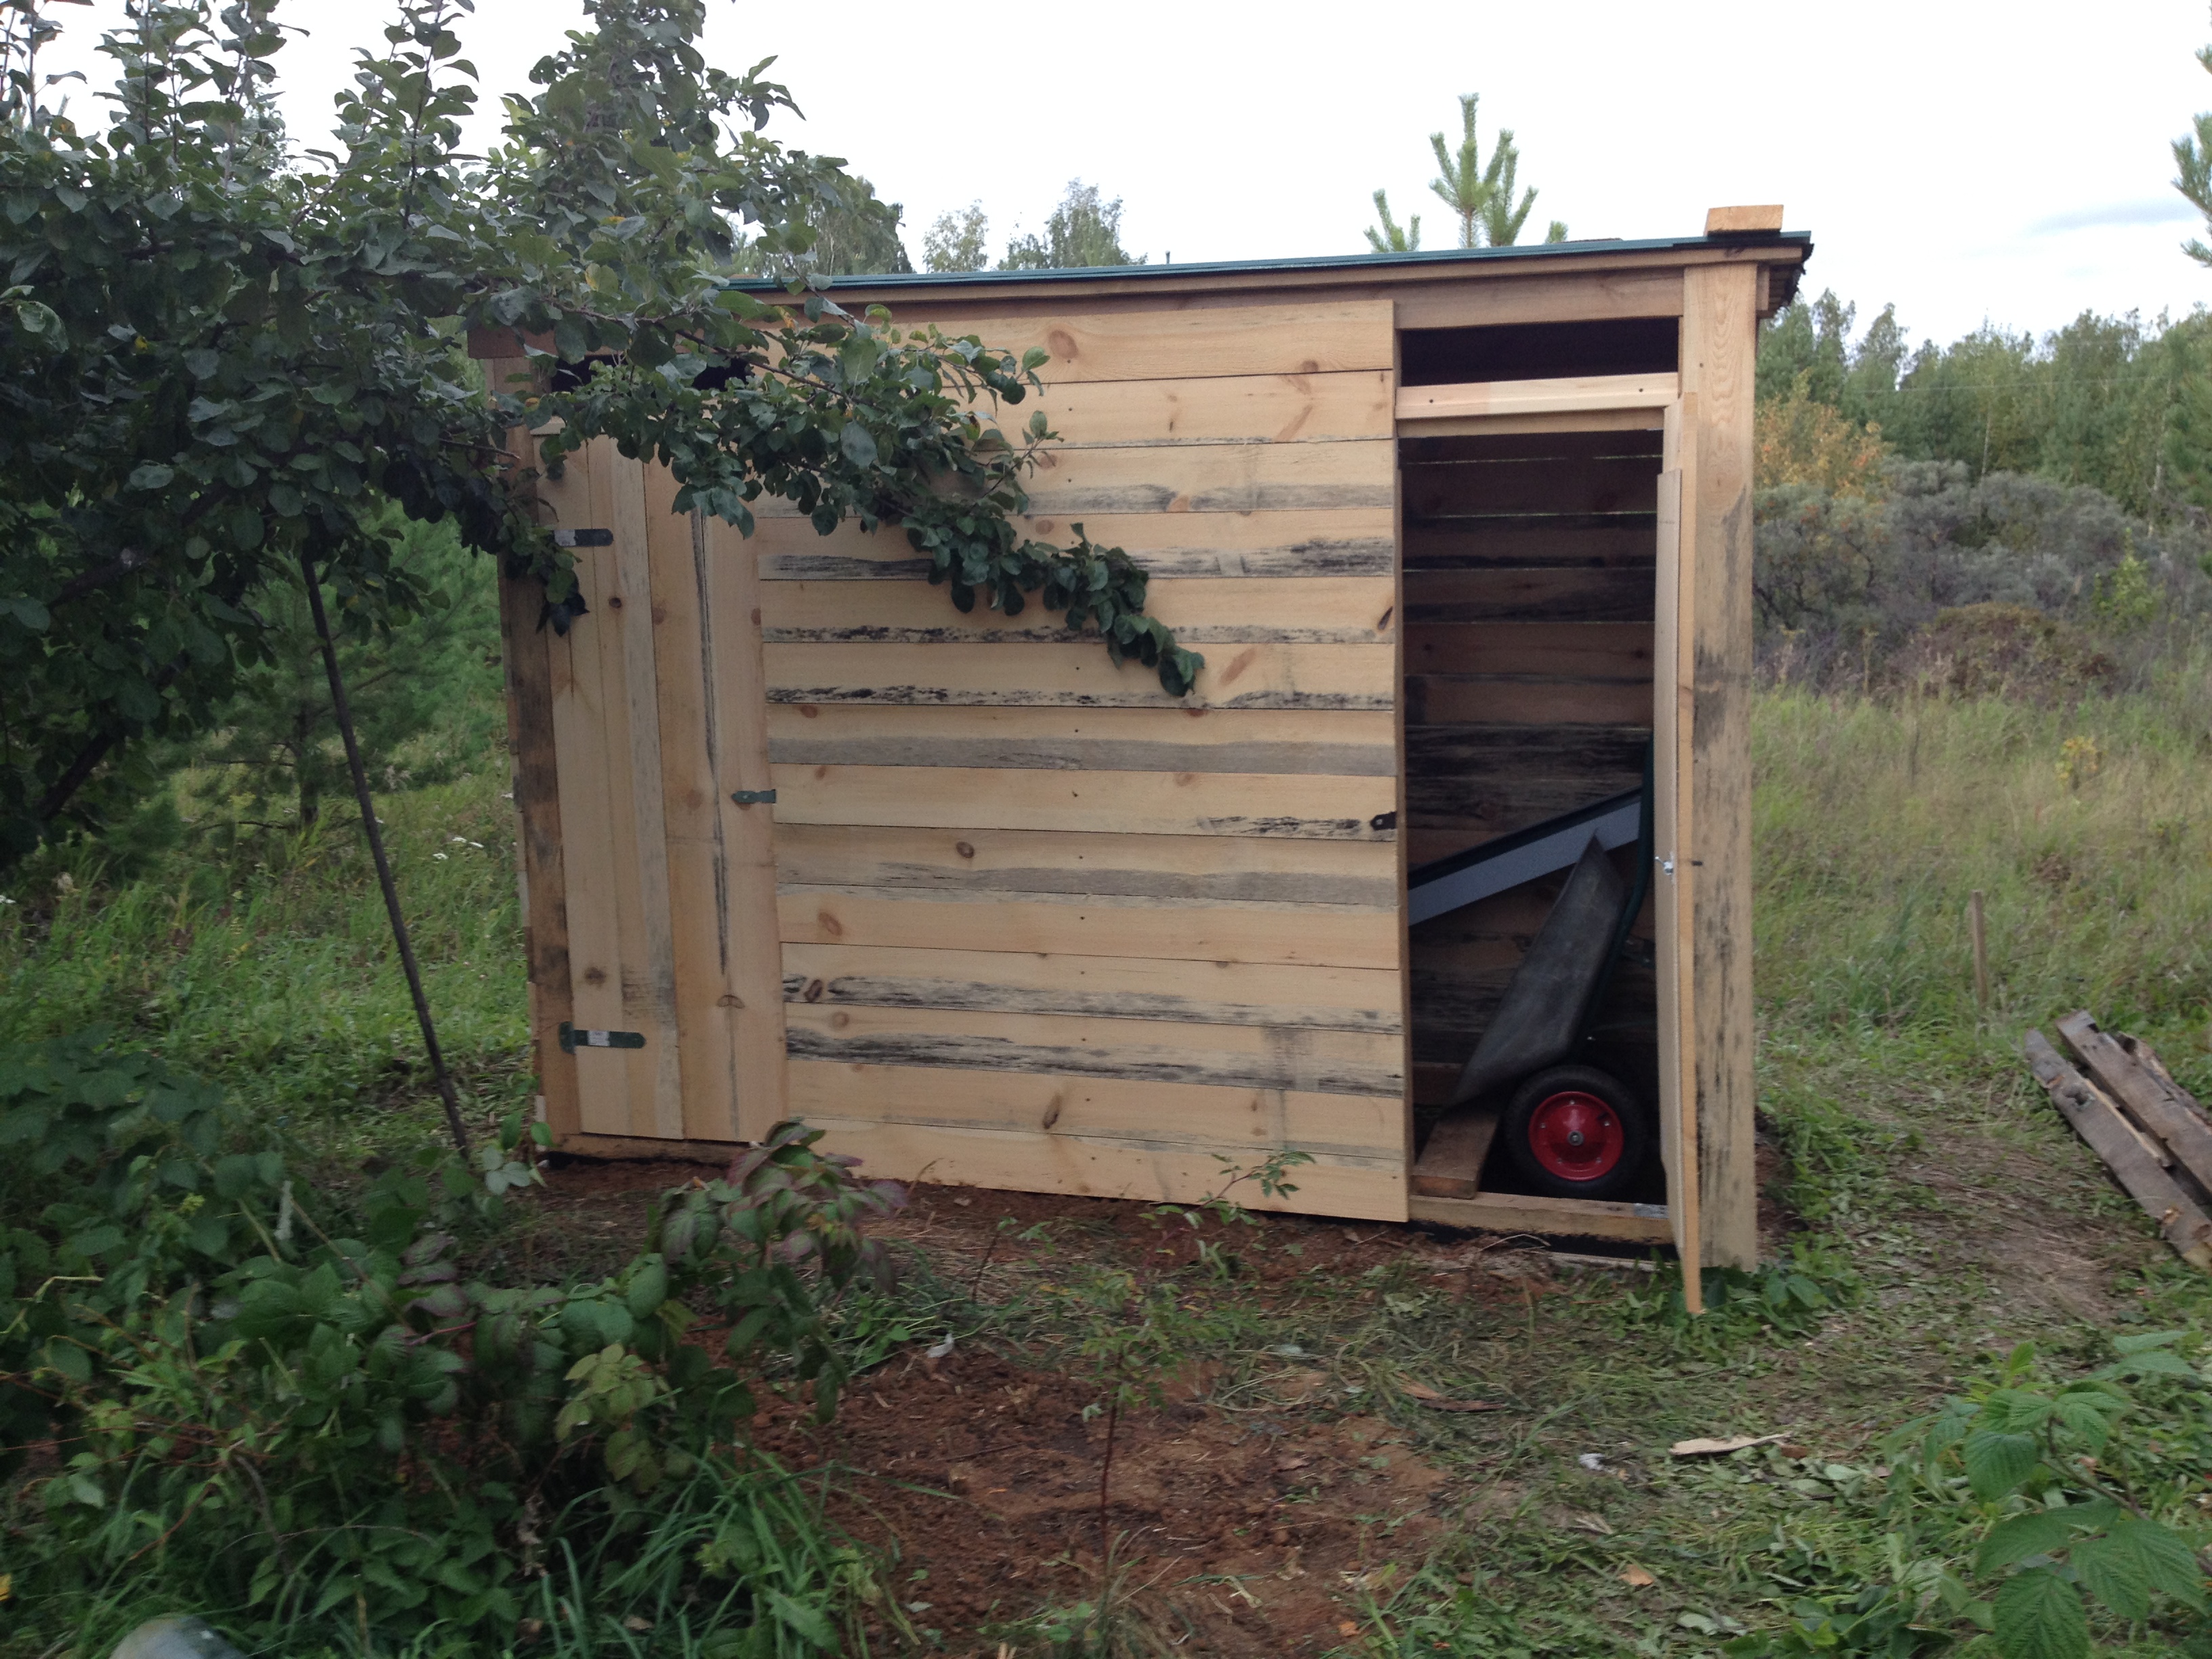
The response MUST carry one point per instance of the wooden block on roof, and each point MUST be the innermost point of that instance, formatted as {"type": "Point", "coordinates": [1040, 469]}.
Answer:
{"type": "Point", "coordinates": [1766, 217]}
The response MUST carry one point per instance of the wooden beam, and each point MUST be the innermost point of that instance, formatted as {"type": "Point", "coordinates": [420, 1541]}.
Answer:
{"type": "Point", "coordinates": [1719, 351]}
{"type": "Point", "coordinates": [2183, 1224]}
{"type": "Point", "coordinates": [2143, 1093]}
{"type": "Point", "coordinates": [1565, 1217]}
{"type": "Point", "coordinates": [1417, 404]}
{"type": "Point", "coordinates": [1761, 219]}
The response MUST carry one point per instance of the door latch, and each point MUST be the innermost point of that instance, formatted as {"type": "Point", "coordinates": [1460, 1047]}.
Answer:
{"type": "Point", "coordinates": [753, 797]}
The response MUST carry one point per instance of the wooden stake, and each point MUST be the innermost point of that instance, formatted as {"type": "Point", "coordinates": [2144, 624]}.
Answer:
{"type": "Point", "coordinates": [1981, 950]}
{"type": "Point", "coordinates": [343, 710]}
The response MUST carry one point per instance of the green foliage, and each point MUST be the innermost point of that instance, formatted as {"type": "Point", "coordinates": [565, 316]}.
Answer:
{"type": "Point", "coordinates": [1787, 1296]}
{"type": "Point", "coordinates": [297, 1406]}
{"type": "Point", "coordinates": [2192, 158]}
{"type": "Point", "coordinates": [853, 232]}
{"type": "Point", "coordinates": [220, 362]}
{"type": "Point", "coordinates": [1393, 237]}
{"type": "Point", "coordinates": [959, 240]}
{"type": "Point", "coordinates": [1083, 231]}
{"type": "Point", "coordinates": [1480, 193]}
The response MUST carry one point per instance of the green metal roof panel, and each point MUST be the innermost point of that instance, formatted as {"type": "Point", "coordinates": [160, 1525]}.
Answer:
{"type": "Point", "coordinates": [1344, 262]}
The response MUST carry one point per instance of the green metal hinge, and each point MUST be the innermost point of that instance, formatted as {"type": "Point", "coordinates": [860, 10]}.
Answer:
{"type": "Point", "coordinates": [573, 1039]}
{"type": "Point", "coordinates": [753, 797]}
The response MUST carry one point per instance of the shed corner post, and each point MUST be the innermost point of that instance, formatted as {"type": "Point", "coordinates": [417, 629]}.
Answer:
{"type": "Point", "coordinates": [526, 656]}
{"type": "Point", "coordinates": [1719, 348]}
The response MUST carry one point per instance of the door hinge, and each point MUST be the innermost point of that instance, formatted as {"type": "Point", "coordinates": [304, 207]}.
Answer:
{"type": "Point", "coordinates": [583, 538]}
{"type": "Point", "coordinates": [572, 1039]}
{"type": "Point", "coordinates": [753, 797]}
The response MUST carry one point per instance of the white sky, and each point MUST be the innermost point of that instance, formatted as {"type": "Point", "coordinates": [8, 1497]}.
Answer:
{"type": "Point", "coordinates": [1969, 160]}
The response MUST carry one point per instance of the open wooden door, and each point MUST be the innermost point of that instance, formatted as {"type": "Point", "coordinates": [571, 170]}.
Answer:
{"type": "Point", "coordinates": [675, 1028]}
{"type": "Point", "coordinates": [1673, 684]}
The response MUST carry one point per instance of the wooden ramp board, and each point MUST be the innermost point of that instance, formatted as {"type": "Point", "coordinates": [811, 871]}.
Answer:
{"type": "Point", "coordinates": [2133, 1163]}
{"type": "Point", "coordinates": [1450, 1165]}
{"type": "Point", "coordinates": [1566, 1218]}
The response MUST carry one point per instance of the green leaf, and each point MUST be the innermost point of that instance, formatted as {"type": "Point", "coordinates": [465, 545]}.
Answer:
{"type": "Point", "coordinates": [2145, 1341]}
{"type": "Point", "coordinates": [857, 443]}
{"type": "Point", "coordinates": [151, 475]}
{"type": "Point", "coordinates": [1997, 1463]}
{"type": "Point", "coordinates": [2113, 1569]}
{"type": "Point", "coordinates": [809, 1623]}
{"type": "Point", "coordinates": [2167, 1561]}
{"type": "Point", "coordinates": [2039, 1616]}
{"type": "Point", "coordinates": [2016, 1411]}
{"type": "Point", "coordinates": [2039, 1532]}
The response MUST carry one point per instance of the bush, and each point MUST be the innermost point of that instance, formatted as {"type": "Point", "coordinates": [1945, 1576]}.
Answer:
{"type": "Point", "coordinates": [2004, 651]}
{"type": "Point", "coordinates": [280, 1407]}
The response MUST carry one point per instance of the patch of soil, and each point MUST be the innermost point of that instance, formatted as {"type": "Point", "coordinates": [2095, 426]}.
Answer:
{"type": "Point", "coordinates": [1233, 1535]}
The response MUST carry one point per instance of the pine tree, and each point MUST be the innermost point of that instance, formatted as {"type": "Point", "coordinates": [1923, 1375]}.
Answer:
{"type": "Point", "coordinates": [1480, 193]}
{"type": "Point", "coordinates": [2193, 155]}
{"type": "Point", "coordinates": [1393, 237]}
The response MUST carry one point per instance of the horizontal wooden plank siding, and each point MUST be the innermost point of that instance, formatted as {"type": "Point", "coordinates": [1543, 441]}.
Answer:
{"type": "Point", "coordinates": [1353, 745]}
{"type": "Point", "coordinates": [1203, 611]}
{"type": "Point", "coordinates": [1043, 925]}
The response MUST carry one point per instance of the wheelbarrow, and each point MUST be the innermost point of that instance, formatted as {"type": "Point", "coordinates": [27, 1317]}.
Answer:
{"type": "Point", "coordinates": [1571, 1128]}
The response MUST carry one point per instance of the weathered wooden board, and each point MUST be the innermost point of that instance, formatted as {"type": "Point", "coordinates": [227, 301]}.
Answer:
{"type": "Point", "coordinates": [2146, 1095]}
{"type": "Point", "coordinates": [1314, 1060]}
{"type": "Point", "coordinates": [2180, 1221]}
{"type": "Point", "coordinates": [1339, 935]}
{"type": "Point", "coordinates": [1203, 612]}
{"type": "Point", "coordinates": [1345, 542]}
{"type": "Point", "coordinates": [1349, 743]}
{"type": "Point", "coordinates": [1524, 699]}
{"type": "Point", "coordinates": [1456, 547]}
{"type": "Point", "coordinates": [1132, 803]}
{"type": "Point", "coordinates": [1275, 408]}
{"type": "Point", "coordinates": [1317, 339]}
{"type": "Point", "coordinates": [1498, 778]}
{"type": "Point", "coordinates": [1082, 677]}
{"type": "Point", "coordinates": [1201, 478]}
{"type": "Point", "coordinates": [1582, 484]}
{"type": "Point", "coordinates": [1086, 1166]}
{"type": "Point", "coordinates": [1526, 594]}
{"type": "Point", "coordinates": [1609, 651]}
{"type": "Point", "coordinates": [996, 862]}
{"type": "Point", "coordinates": [1246, 1124]}
{"type": "Point", "coordinates": [1572, 1217]}
{"type": "Point", "coordinates": [1117, 987]}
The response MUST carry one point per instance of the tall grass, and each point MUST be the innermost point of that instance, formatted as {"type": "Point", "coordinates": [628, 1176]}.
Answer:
{"type": "Point", "coordinates": [265, 961]}
{"type": "Point", "coordinates": [2086, 824]}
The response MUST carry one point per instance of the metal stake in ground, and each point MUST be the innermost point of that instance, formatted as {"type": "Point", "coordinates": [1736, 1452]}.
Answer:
{"type": "Point", "coordinates": [344, 712]}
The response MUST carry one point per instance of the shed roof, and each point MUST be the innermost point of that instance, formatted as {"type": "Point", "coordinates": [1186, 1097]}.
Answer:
{"type": "Point", "coordinates": [1794, 246]}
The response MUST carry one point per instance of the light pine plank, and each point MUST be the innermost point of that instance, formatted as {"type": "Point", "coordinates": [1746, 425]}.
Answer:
{"type": "Point", "coordinates": [1113, 988]}
{"type": "Point", "coordinates": [1274, 407]}
{"type": "Point", "coordinates": [1333, 935]}
{"type": "Point", "coordinates": [649, 935]}
{"type": "Point", "coordinates": [1349, 743]}
{"type": "Point", "coordinates": [1081, 676]}
{"type": "Point", "coordinates": [580, 721]}
{"type": "Point", "coordinates": [1198, 478]}
{"type": "Point", "coordinates": [1720, 331]}
{"type": "Point", "coordinates": [1198, 343]}
{"type": "Point", "coordinates": [1308, 1059]}
{"type": "Point", "coordinates": [1096, 1167]}
{"type": "Point", "coordinates": [1351, 542]}
{"type": "Point", "coordinates": [1203, 612]}
{"type": "Point", "coordinates": [751, 954]}
{"type": "Point", "coordinates": [707, 1103]}
{"type": "Point", "coordinates": [982, 863]}
{"type": "Point", "coordinates": [1132, 803]}
{"type": "Point", "coordinates": [1560, 1217]}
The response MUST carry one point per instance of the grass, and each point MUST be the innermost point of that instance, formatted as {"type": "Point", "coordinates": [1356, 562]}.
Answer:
{"type": "Point", "coordinates": [1919, 1176]}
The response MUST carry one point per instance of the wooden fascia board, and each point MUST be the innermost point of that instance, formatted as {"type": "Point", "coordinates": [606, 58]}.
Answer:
{"type": "Point", "coordinates": [1417, 404]}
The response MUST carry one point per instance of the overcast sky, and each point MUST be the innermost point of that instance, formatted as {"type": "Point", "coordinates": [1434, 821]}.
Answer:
{"type": "Point", "coordinates": [1968, 160]}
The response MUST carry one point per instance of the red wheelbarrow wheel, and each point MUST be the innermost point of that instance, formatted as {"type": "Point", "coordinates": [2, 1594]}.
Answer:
{"type": "Point", "coordinates": [1575, 1132]}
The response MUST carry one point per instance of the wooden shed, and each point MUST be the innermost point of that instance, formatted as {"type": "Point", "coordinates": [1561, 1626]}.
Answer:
{"type": "Point", "coordinates": [1464, 536]}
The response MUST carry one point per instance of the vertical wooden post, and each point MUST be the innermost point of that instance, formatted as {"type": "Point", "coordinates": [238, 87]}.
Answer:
{"type": "Point", "coordinates": [1720, 331]}
{"type": "Point", "coordinates": [1673, 726]}
{"type": "Point", "coordinates": [1981, 950]}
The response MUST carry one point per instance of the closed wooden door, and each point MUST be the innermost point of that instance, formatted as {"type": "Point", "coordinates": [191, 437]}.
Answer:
{"type": "Point", "coordinates": [668, 867]}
